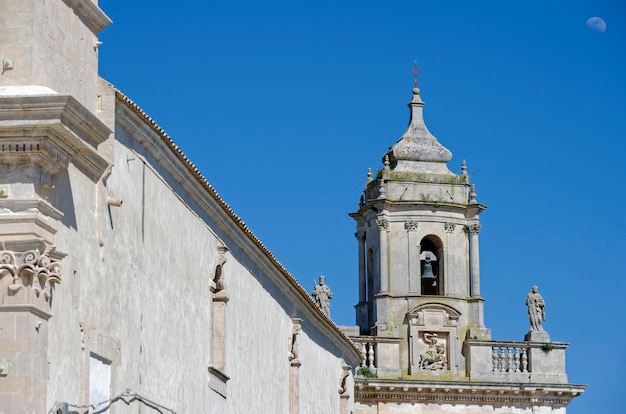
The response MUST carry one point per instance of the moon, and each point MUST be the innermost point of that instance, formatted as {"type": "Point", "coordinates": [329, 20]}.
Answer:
{"type": "Point", "coordinates": [596, 23]}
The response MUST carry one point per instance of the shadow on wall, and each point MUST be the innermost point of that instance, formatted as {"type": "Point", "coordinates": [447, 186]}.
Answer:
{"type": "Point", "coordinates": [64, 199]}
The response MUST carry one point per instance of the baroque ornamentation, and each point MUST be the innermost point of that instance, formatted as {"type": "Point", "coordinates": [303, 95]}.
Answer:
{"type": "Point", "coordinates": [383, 224]}
{"type": "Point", "coordinates": [475, 228]}
{"type": "Point", "coordinates": [434, 357]}
{"type": "Point", "coordinates": [296, 328]}
{"type": "Point", "coordinates": [449, 227]}
{"type": "Point", "coordinates": [30, 270]}
{"type": "Point", "coordinates": [411, 225]}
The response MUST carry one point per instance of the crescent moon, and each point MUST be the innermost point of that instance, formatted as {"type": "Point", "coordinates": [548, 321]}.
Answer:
{"type": "Point", "coordinates": [596, 23]}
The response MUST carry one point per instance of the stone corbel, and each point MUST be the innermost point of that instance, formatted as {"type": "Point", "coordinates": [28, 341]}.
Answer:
{"type": "Point", "coordinates": [296, 328]}
{"type": "Point", "coordinates": [218, 284]}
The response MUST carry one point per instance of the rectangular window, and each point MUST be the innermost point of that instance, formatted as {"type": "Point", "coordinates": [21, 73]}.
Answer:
{"type": "Point", "coordinates": [99, 382]}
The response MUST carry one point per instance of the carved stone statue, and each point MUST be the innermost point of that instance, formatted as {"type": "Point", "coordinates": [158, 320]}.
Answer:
{"type": "Point", "coordinates": [322, 295]}
{"type": "Point", "coordinates": [536, 309]}
{"type": "Point", "coordinates": [435, 356]}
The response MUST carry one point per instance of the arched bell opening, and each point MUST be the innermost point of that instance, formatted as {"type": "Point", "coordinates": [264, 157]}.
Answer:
{"type": "Point", "coordinates": [431, 260]}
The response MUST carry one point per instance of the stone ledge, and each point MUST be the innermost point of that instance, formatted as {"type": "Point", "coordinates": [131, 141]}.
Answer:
{"type": "Point", "coordinates": [51, 131]}
{"type": "Point", "coordinates": [218, 381]}
{"type": "Point", "coordinates": [90, 13]}
{"type": "Point", "coordinates": [377, 390]}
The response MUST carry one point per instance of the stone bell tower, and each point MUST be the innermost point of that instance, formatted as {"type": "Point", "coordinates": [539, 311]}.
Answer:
{"type": "Point", "coordinates": [420, 315]}
{"type": "Point", "coordinates": [419, 270]}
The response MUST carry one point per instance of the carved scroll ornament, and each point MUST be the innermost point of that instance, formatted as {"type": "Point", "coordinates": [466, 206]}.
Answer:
{"type": "Point", "coordinates": [30, 270]}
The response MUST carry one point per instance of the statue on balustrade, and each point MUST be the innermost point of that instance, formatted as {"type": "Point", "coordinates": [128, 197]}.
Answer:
{"type": "Point", "coordinates": [536, 309]}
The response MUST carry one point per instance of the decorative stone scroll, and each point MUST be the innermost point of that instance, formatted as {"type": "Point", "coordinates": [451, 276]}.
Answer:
{"type": "Point", "coordinates": [31, 271]}
{"type": "Point", "coordinates": [411, 225]}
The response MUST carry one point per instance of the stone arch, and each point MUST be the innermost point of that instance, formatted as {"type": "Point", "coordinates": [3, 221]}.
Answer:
{"type": "Point", "coordinates": [432, 253]}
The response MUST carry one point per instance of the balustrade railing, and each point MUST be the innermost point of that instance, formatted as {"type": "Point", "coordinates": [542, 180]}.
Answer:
{"type": "Point", "coordinates": [368, 352]}
{"type": "Point", "coordinates": [509, 358]}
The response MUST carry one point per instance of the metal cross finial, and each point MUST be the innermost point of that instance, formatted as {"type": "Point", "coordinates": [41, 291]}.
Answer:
{"type": "Point", "coordinates": [415, 71]}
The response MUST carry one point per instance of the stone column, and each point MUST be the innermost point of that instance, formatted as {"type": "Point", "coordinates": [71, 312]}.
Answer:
{"type": "Point", "coordinates": [362, 266]}
{"type": "Point", "coordinates": [447, 284]}
{"type": "Point", "coordinates": [26, 279]}
{"type": "Point", "coordinates": [415, 283]}
{"type": "Point", "coordinates": [474, 229]}
{"type": "Point", "coordinates": [383, 225]}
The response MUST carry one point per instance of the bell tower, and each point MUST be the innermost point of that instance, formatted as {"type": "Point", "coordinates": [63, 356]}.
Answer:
{"type": "Point", "coordinates": [419, 270]}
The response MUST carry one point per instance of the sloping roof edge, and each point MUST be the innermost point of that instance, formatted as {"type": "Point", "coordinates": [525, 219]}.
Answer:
{"type": "Point", "coordinates": [189, 165]}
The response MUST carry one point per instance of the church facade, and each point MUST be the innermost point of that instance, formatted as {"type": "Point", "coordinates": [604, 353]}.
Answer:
{"type": "Point", "coordinates": [420, 314]}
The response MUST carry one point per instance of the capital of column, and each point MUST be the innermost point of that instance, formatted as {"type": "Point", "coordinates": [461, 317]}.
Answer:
{"type": "Point", "coordinates": [475, 228]}
{"type": "Point", "coordinates": [360, 236]}
{"type": "Point", "coordinates": [383, 224]}
{"type": "Point", "coordinates": [449, 227]}
{"type": "Point", "coordinates": [30, 271]}
{"type": "Point", "coordinates": [411, 225]}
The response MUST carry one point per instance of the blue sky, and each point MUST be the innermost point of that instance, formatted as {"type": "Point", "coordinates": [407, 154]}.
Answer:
{"type": "Point", "coordinates": [283, 105]}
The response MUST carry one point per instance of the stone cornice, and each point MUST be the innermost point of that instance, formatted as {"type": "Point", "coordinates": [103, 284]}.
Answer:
{"type": "Point", "coordinates": [51, 131]}
{"type": "Point", "coordinates": [134, 120]}
{"type": "Point", "coordinates": [90, 13]}
{"type": "Point", "coordinates": [452, 392]}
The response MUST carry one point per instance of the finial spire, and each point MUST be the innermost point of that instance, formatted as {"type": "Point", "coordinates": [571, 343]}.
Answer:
{"type": "Point", "coordinates": [416, 72]}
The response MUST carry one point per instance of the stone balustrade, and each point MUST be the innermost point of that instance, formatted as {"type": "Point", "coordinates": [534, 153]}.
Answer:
{"type": "Point", "coordinates": [368, 351]}
{"type": "Point", "coordinates": [516, 361]}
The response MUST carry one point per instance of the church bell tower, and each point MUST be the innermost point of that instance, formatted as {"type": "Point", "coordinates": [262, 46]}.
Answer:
{"type": "Point", "coordinates": [419, 263]}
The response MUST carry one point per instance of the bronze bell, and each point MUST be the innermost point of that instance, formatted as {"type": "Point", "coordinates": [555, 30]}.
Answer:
{"type": "Point", "coordinates": [428, 274]}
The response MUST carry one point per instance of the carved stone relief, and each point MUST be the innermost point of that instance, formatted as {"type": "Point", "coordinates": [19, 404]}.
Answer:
{"type": "Point", "coordinates": [449, 227]}
{"type": "Point", "coordinates": [411, 225]}
{"type": "Point", "coordinates": [434, 357]}
{"type": "Point", "coordinates": [383, 224]}
{"type": "Point", "coordinates": [30, 272]}
{"type": "Point", "coordinates": [296, 328]}
{"type": "Point", "coordinates": [432, 329]}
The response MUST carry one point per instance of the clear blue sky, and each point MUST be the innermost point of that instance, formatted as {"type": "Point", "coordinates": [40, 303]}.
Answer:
{"type": "Point", "coordinates": [283, 105]}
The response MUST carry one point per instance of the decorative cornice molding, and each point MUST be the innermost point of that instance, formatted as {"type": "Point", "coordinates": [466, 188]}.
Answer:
{"type": "Point", "coordinates": [90, 13]}
{"type": "Point", "coordinates": [51, 131]}
{"type": "Point", "coordinates": [466, 393]}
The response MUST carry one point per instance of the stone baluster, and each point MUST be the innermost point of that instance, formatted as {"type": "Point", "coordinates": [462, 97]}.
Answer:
{"type": "Point", "coordinates": [494, 357]}
{"type": "Point", "coordinates": [524, 358]}
{"type": "Point", "coordinates": [516, 360]}
{"type": "Point", "coordinates": [363, 354]}
{"type": "Point", "coordinates": [502, 359]}
{"type": "Point", "coordinates": [509, 358]}
{"type": "Point", "coordinates": [370, 357]}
